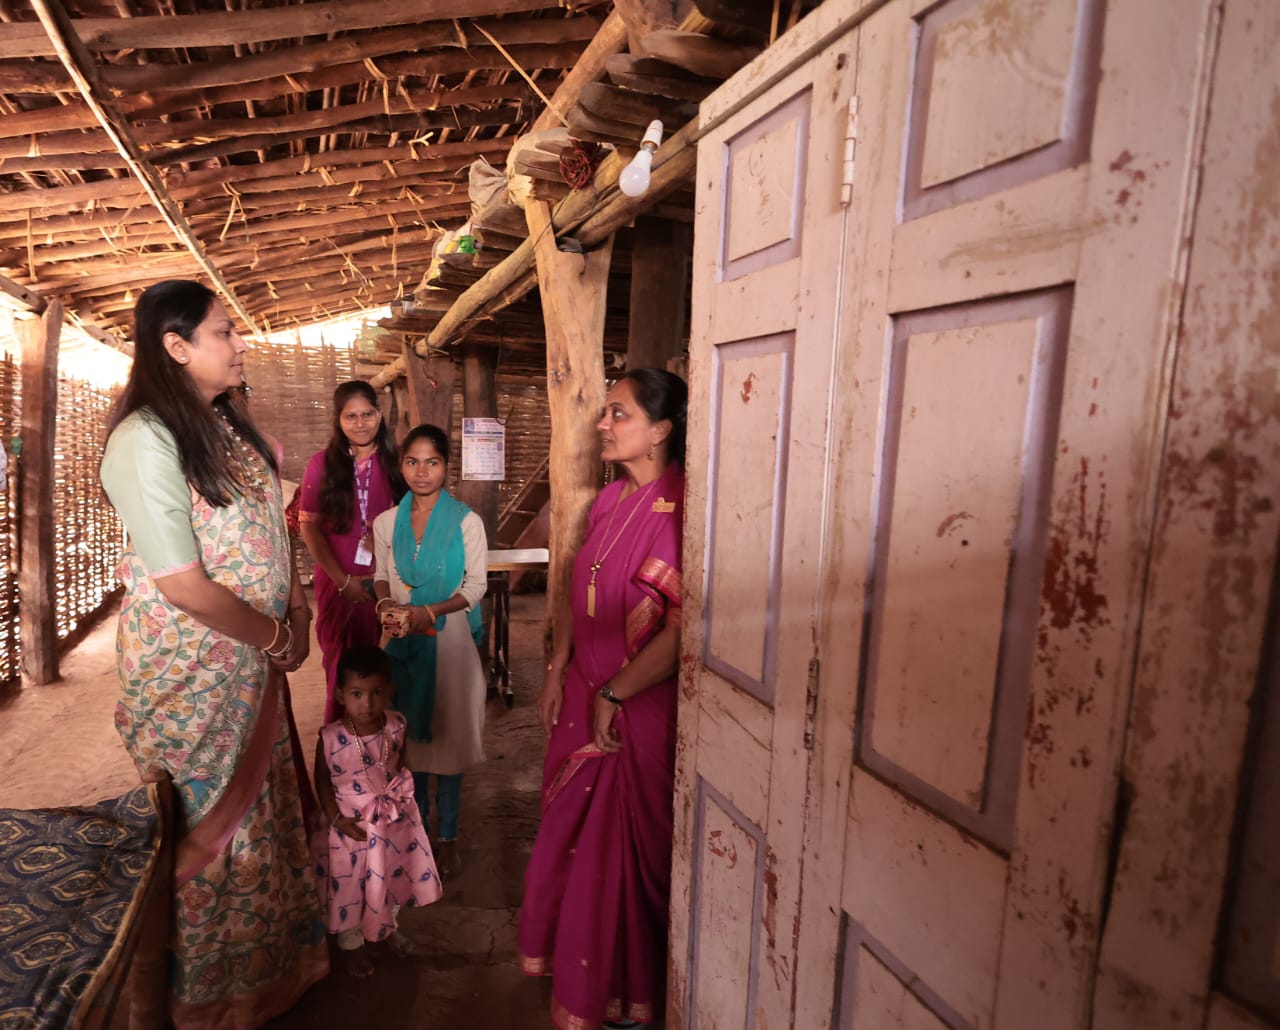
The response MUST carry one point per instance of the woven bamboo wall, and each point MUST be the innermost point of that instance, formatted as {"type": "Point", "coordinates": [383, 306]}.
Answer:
{"type": "Point", "coordinates": [88, 534]}
{"type": "Point", "coordinates": [293, 396]}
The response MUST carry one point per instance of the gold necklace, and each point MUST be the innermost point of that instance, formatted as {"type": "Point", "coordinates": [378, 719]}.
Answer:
{"type": "Point", "coordinates": [366, 762]}
{"type": "Point", "coordinates": [248, 468]}
{"type": "Point", "coordinates": [599, 558]}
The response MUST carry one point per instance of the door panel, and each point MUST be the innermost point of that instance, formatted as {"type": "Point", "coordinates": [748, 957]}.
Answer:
{"type": "Point", "coordinates": [769, 220]}
{"type": "Point", "coordinates": [925, 432]}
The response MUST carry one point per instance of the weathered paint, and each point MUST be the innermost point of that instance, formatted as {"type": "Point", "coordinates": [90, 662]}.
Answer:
{"type": "Point", "coordinates": [964, 849]}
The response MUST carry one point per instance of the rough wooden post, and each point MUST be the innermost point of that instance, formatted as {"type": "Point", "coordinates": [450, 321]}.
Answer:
{"type": "Point", "coordinates": [37, 558]}
{"type": "Point", "coordinates": [430, 384]}
{"type": "Point", "coordinates": [573, 288]}
{"type": "Point", "coordinates": [480, 400]}
{"type": "Point", "coordinates": [659, 292]}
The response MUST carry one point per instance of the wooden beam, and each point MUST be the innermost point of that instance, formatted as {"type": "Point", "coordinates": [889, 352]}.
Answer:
{"type": "Point", "coordinates": [37, 555]}
{"type": "Point", "coordinates": [75, 117]}
{"type": "Point", "coordinates": [480, 400]}
{"type": "Point", "coordinates": [610, 40]}
{"type": "Point", "coordinates": [673, 162]}
{"type": "Point", "coordinates": [16, 295]}
{"type": "Point", "coordinates": [572, 287]}
{"type": "Point", "coordinates": [261, 25]}
{"type": "Point", "coordinates": [592, 215]}
{"type": "Point", "coordinates": [79, 65]}
{"type": "Point", "coordinates": [431, 384]}
{"type": "Point", "coordinates": [643, 16]}
{"type": "Point", "coordinates": [660, 259]}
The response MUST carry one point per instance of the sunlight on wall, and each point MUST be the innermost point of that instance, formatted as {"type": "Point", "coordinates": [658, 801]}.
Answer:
{"type": "Point", "coordinates": [82, 357]}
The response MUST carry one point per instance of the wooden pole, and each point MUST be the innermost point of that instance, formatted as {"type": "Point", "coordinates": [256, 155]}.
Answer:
{"type": "Point", "coordinates": [430, 396]}
{"type": "Point", "coordinates": [480, 400]}
{"type": "Point", "coordinates": [659, 289]}
{"type": "Point", "coordinates": [35, 469]}
{"type": "Point", "coordinates": [572, 287]}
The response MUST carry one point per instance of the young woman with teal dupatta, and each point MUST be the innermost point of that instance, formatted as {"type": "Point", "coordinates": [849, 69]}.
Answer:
{"type": "Point", "coordinates": [431, 573]}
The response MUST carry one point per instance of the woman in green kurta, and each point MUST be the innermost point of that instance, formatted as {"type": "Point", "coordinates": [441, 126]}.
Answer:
{"type": "Point", "coordinates": [213, 617]}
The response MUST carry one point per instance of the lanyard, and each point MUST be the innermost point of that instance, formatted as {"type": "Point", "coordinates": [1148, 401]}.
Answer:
{"type": "Point", "coordinates": [362, 491]}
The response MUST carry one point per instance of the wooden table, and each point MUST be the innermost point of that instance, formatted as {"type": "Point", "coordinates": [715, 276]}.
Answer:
{"type": "Point", "coordinates": [502, 562]}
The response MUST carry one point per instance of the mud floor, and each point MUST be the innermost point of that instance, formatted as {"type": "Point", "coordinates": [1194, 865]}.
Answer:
{"type": "Point", "coordinates": [58, 747]}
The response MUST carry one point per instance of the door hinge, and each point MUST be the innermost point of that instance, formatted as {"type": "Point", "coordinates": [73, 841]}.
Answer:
{"type": "Point", "coordinates": [811, 703]}
{"type": "Point", "coordinates": [850, 152]}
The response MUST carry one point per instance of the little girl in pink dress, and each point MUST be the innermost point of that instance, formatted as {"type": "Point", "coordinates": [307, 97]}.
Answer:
{"type": "Point", "coordinates": [376, 858]}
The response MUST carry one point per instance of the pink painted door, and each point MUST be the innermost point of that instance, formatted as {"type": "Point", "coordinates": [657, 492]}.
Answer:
{"type": "Point", "coordinates": [930, 395]}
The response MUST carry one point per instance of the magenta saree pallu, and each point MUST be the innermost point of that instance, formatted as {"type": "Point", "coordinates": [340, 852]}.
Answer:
{"type": "Point", "coordinates": [597, 889]}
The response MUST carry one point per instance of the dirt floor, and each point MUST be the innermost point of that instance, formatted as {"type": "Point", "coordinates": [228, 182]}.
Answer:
{"type": "Point", "coordinates": [465, 973]}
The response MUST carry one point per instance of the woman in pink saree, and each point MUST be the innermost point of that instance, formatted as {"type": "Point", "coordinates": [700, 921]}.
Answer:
{"type": "Point", "coordinates": [345, 487]}
{"type": "Point", "coordinates": [597, 889]}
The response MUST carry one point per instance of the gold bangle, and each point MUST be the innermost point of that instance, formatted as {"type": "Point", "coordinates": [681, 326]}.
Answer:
{"type": "Point", "coordinates": [430, 614]}
{"type": "Point", "coordinates": [381, 601]}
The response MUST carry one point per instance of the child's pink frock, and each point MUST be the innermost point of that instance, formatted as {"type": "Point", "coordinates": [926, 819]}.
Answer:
{"type": "Point", "coordinates": [367, 880]}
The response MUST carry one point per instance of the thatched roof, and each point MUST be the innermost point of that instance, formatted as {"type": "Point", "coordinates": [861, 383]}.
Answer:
{"type": "Point", "coordinates": [312, 149]}
{"type": "Point", "coordinates": [302, 156]}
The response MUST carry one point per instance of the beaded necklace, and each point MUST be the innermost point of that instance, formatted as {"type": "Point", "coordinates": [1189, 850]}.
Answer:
{"type": "Point", "coordinates": [365, 760]}
{"type": "Point", "coordinates": [248, 467]}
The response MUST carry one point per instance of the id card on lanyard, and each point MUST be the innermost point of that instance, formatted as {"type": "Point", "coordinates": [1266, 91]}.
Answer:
{"type": "Point", "coordinates": [364, 551]}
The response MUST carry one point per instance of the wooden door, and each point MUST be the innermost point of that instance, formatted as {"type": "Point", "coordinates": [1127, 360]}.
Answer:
{"type": "Point", "coordinates": [925, 441]}
{"type": "Point", "coordinates": [768, 233]}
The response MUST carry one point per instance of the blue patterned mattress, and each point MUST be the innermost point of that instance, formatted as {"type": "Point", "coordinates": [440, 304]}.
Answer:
{"type": "Point", "coordinates": [75, 884]}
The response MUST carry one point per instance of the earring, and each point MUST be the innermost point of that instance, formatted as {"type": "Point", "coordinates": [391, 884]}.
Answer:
{"type": "Point", "coordinates": [651, 452]}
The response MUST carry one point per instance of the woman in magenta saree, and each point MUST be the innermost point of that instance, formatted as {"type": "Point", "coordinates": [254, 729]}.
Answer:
{"type": "Point", "coordinates": [597, 889]}
{"type": "Point", "coordinates": [345, 487]}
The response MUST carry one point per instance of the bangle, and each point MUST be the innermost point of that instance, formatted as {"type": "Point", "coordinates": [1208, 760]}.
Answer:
{"type": "Point", "coordinates": [274, 636]}
{"type": "Point", "coordinates": [346, 584]}
{"type": "Point", "coordinates": [381, 601]}
{"type": "Point", "coordinates": [288, 644]}
{"type": "Point", "coordinates": [607, 693]}
{"type": "Point", "coordinates": [430, 614]}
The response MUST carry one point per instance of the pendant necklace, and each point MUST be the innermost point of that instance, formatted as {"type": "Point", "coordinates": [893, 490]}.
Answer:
{"type": "Point", "coordinates": [365, 760]}
{"type": "Point", "coordinates": [598, 560]}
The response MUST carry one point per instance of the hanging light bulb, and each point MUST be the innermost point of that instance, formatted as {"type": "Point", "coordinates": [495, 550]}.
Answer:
{"type": "Point", "coordinates": [634, 179]}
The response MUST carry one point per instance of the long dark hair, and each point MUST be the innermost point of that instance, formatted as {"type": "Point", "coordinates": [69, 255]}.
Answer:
{"type": "Point", "coordinates": [338, 486]}
{"type": "Point", "coordinates": [163, 389]}
{"type": "Point", "coordinates": [663, 395]}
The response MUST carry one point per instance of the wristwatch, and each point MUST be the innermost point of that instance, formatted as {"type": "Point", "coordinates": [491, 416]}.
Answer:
{"type": "Point", "coordinates": [607, 693]}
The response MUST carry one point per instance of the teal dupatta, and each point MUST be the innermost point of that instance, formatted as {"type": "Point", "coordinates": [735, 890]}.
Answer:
{"type": "Point", "coordinates": [432, 571]}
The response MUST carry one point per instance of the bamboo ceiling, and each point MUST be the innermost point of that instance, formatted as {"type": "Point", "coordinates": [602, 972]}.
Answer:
{"type": "Point", "coordinates": [302, 155]}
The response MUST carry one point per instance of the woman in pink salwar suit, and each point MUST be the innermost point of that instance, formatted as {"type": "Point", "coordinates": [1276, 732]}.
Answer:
{"type": "Point", "coordinates": [345, 487]}
{"type": "Point", "coordinates": [597, 889]}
